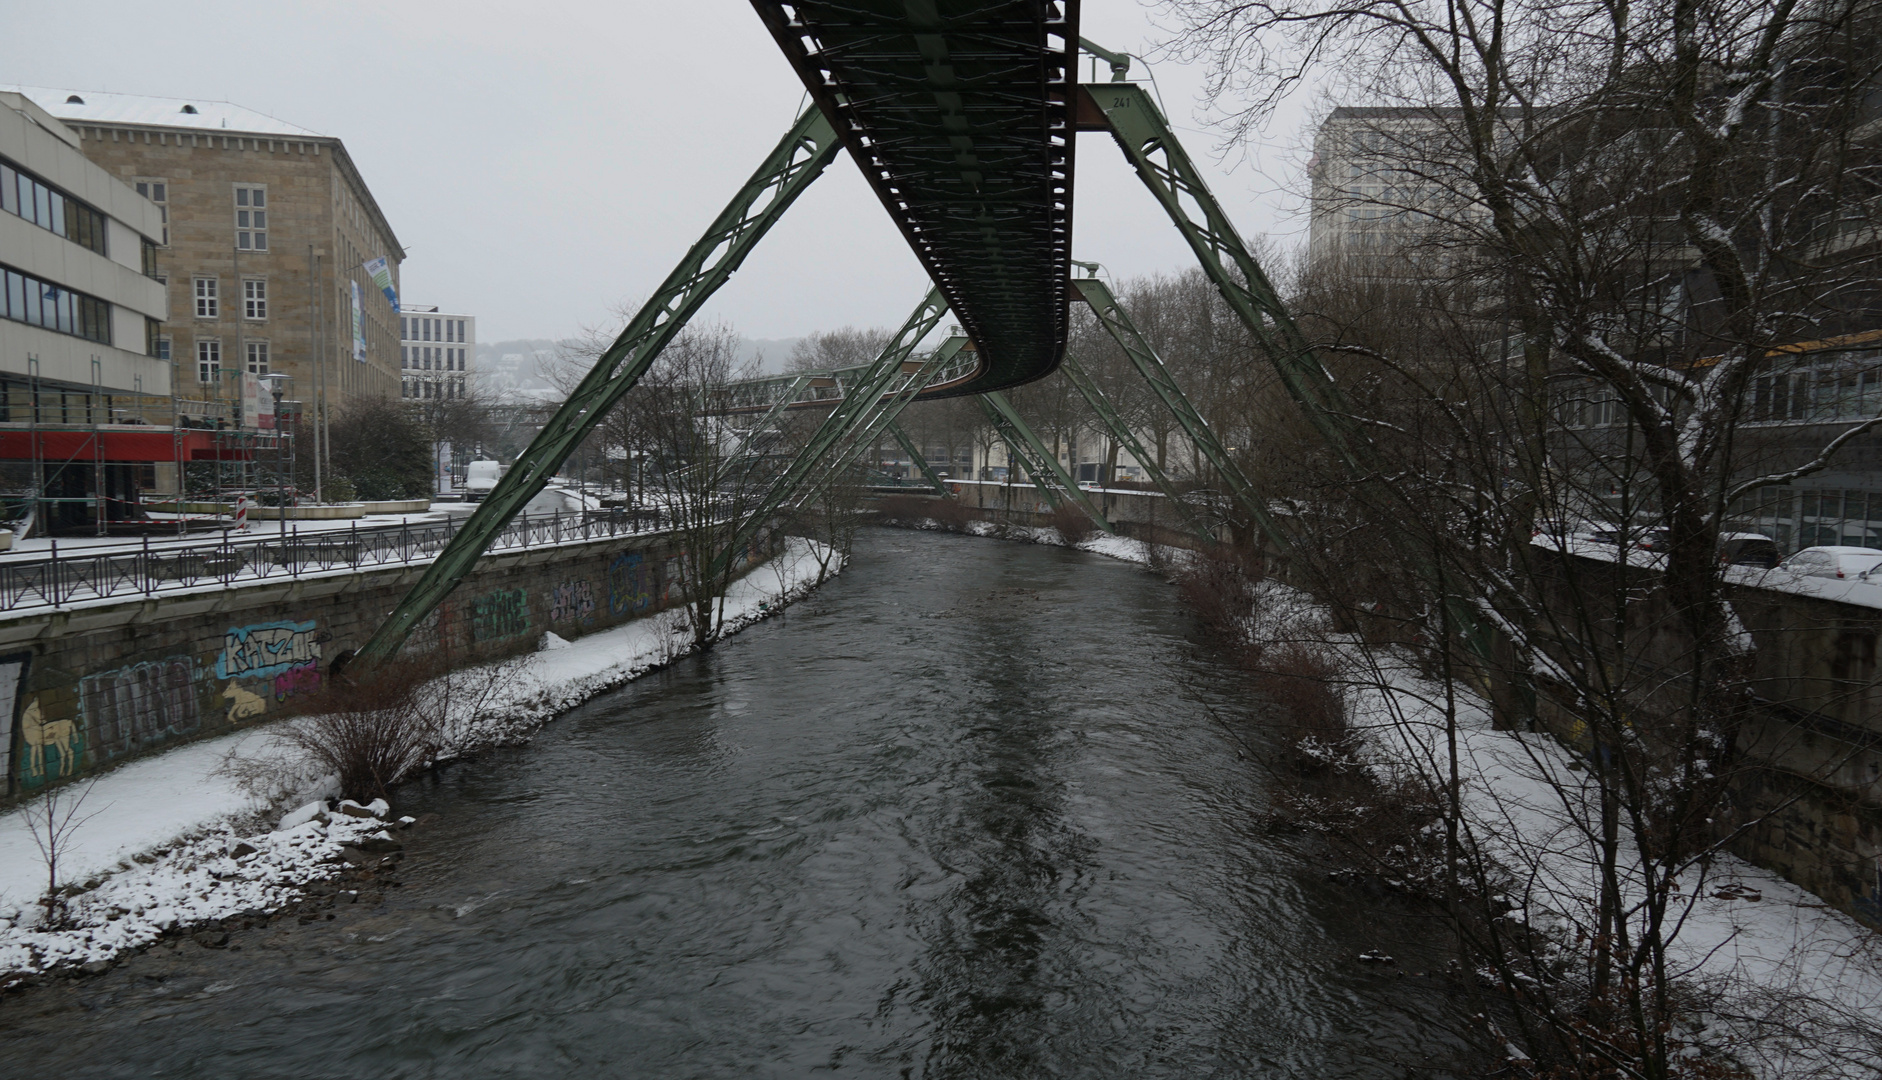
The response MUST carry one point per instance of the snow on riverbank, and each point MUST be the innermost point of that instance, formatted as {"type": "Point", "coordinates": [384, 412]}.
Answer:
{"type": "Point", "coordinates": [1798, 984]}
{"type": "Point", "coordinates": [155, 843]}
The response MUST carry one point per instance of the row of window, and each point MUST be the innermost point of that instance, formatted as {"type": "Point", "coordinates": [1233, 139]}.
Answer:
{"type": "Point", "coordinates": [206, 292]}
{"type": "Point", "coordinates": [429, 358]}
{"type": "Point", "coordinates": [1815, 516]}
{"type": "Point", "coordinates": [39, 303]}
{"type": "Point", "coordinates": [209, 358]}
{"type": "Point", "coordinates": [1825, 391]}
{"type": "Point", "coordinates": [423, 329]}
{"type": "Point", "coordinates": [433, 389]}
{"type": "Point", "coordinates": [27, 196]}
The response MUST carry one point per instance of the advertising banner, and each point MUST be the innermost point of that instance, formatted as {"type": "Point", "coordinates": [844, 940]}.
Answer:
{"type": "Point", "coordinates": [257, 403]}
{"type": "Point", "coordinates": [382, 277]}
{"type": "Point", "coordinates": [359, 325]}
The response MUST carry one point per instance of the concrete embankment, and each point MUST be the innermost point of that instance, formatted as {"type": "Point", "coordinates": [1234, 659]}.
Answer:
{"type": "Point", "coordinates": [91, 684]}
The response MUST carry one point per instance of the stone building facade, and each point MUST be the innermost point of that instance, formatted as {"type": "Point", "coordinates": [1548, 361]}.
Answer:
{"type": "Point", "coordinates": [268, 231]}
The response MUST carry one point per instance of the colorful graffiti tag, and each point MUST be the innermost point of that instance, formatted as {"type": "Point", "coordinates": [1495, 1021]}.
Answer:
{"type": "Point", "coordinates": [501, 614]}
{"type": "Point", "coordinates": [138, 706]}
{"type": "Point", "coordinates": [267, 649]}
{"type": "Point", "coordinates": [299, 679]}
{"type": "Point", "coordinates": [571, 600]}
{"type": "Point", "coordinates": [630, 586]}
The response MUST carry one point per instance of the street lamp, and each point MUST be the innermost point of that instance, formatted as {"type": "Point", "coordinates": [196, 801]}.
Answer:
{"type": "Point", "coordinates": [277, 386]}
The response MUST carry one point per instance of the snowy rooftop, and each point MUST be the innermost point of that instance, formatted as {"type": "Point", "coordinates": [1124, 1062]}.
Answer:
{"type": "Point", "coordinates": [93, 106]}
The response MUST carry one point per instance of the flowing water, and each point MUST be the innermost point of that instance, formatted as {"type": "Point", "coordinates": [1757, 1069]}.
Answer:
{"type": "Point", "coordinates": [975, 809]}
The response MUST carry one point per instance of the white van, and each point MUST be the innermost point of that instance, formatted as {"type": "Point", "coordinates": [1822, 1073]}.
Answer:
{"type": "Point", "coordinates": [480, 477]}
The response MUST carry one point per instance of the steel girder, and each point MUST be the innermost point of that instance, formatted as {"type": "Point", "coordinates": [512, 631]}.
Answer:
{"type": "Point", "coordinates": [887, 408]}
{"type": "Point", "coordinates": [908, 446]}
{"type": "Point", "coordinates": [1040, 462]}
{"type": "Point", "coordinates": [1126, 111]}
{"type": "Point", "coordinates": [1087, 387]}
{"type": "Point", "coordinates": [959, 114]}
{"type": "Point", "coordinates": [810, 389]}
{"type": "Point", "coordinates": [1148, 364]}
{"type": "Point", "coordinates": [798, 159]}
{"type": "Point", "coordinates": [855, 406]}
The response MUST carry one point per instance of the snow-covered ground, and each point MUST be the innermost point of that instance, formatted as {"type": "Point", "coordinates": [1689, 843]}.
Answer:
{"type": "Point", "coordinates": [155, 840]}
{"type": "Point", "coordinates": [1798, 980]}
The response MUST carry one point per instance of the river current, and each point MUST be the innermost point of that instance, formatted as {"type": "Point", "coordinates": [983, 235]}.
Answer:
{"type": "Point", "coordinates": [974, 809]}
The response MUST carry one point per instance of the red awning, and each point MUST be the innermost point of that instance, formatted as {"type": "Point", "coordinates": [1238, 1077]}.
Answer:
{"type": "Point", "coordinates": [130, 443]}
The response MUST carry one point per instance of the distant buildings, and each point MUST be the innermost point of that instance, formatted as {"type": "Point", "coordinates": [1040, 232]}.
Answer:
{"type": "Point", "coordinates": [435, 350]}
{"type": "Point", "coordinates": [267, 231]}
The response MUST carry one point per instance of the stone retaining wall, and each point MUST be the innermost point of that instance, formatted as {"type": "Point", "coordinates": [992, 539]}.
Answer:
{"type": "Point", "coordinates": [93, 685]}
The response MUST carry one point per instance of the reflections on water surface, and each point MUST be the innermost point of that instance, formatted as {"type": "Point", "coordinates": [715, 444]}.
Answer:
{"type": "Point", "coordinates": [961, 814]}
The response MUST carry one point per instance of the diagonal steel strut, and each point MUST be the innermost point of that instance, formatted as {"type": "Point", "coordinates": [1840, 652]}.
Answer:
{"type": "Point", "coordinates": [856, 406]}
{"type": "Point", "coordinates": [1150, 366]}
{"type": "Point", "coordinates": [1039, 461]}
{"type": "Point", "coordinates": [1082, 381]}
{"type": "Point", "coordinates": [798, 159]}
{"type": "Point", "coordinates": [884, 412]}
{"type": "Point", "coordinates": [908, 446]}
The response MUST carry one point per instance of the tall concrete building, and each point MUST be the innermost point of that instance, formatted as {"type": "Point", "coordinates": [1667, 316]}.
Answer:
{"type": "Point", "coordinates": [81, 308]}
{"type": "Point", "coordinates": [264, 246]}
{"type": "Point", "coordinates": [435, 352]}
{"type": "Point", "coordinates": [1374, 189]}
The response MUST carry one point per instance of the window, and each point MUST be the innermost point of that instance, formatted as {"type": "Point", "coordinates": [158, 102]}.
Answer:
{"type": "Point", "coordinates": [206, 298]}
{"type": "Point", "coordinates": [158, 191]}
{"type": "Point", "coordinates": [405, 388]}
{"type": "Point", "coordinates": [41, 303]}
{"type": "Point", "coordinates": [258, 358]}
{"type": "Point", "coordinates": [251, 218]}
{"type": "Point", "coordinates": [254, 299]}
{"type": "Point", "coordinates": [23, 194]}
{"type": "Point", "coordinates": [152, 339]}
{"type": "Point", "coordinates": [405, 356]}
{"type": "Point", "coordinates": [405, 328]}
{"type": "Point", "coordinates": [208, 360]}
{"type": "Point", "coordinates": [163, 349]}
{"type": "Point", "coordinates": [460, 331]}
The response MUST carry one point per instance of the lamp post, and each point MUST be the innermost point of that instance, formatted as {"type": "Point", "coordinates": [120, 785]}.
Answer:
{"type": "Point", "coordinates": [277, 386]}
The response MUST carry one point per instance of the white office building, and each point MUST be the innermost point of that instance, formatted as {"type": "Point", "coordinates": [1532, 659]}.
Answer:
{"type": "Point", "coordinates": [81, 302]}
{"type": "Point", "coordinates": [435, 350]}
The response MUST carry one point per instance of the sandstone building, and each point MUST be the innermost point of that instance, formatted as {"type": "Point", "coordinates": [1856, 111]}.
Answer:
{"type": "Point", "coordinates": [267, 232]}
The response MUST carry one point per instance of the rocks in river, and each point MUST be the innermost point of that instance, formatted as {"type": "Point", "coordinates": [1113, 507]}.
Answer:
{"type": "Point", "coordinates": [1375, 957]}
{"type": "Point", "coordinates": [296, 818]}
{"type": "Point", "coordinates": [241, 848]}
{"type": "Point", "coordinates": [211, 939]}
{"type": "Point", "coordinates": [380, 842]}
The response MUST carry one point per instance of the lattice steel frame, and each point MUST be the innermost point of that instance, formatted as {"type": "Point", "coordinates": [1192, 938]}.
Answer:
{"type": "Point", "coordinates": [797, 160]}
{"type": "Point", "coordinates": [1041, 464]}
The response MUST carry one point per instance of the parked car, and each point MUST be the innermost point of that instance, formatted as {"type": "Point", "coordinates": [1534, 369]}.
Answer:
{"type": "Point", "coordinates": [1749, 549]}
{"type": "Point", "coordinates": [480, 478]}
{"type": "Point", "coordinates": [1832, 561]}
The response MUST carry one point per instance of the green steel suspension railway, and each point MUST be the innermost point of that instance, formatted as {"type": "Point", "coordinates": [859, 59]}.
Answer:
{"type": "Point", "coordinates": [962, 115]}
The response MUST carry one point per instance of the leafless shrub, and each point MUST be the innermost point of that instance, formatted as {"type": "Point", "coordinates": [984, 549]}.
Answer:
{"type": "Point", "coordinates": [1218, 584]}
{"type": "Point", "coordinates": [1302, 682]}
{"type": "Point", "coordinates": [1074, 525]}
{"type": "Point", "coordinates": [373, 727]}
{"type": "Point", "coordinates": [53, 818]}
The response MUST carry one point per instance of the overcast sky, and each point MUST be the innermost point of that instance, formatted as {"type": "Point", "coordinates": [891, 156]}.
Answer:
{"type": "Point", "coordinates": [542, 163]}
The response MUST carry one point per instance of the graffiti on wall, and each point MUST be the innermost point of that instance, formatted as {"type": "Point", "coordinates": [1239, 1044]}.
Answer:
{"type": "Point", "coordinates": [267, 649]}
{"type": "Point", "coordinates": [571, 600]}
{"type": "Point", "coordinates": [630, 586]}
{"type": "Point", "coordinates": [52, 747]}
{"type": "Point", "coordinates": [138, 706]}
{"type": "Point", "coordinates": [299, 679]}
{"type": "Point", "coordinates": [12, 680]}
{"type": "Point", "coordinates": [243, 704]}
{"type": "Point", "coordinates": [498, 615]}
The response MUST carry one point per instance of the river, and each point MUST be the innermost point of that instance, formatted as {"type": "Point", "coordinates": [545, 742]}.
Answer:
{"type": "Point", "coordinates": [965, 812]}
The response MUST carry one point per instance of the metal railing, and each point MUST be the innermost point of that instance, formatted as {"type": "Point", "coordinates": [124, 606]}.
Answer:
{"type": "Point", "coordinates": [154, 569]}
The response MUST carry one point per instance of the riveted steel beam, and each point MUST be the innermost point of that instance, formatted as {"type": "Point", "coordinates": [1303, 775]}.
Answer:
{"type": "Point", "coordinates": [908, 446]}
{"type": "Point", "coordinates": [797, 160]}
{"type": "Point", "coordinates": [1087, 387]}
{"type": "Point", "coordinates": [943, 360]}
{"type": "Point", "coordinates": [1141, 131]}
{"type": "Point", "coordinates": [1148, 364]}
{"type": "Point", "coordinates": [1039, 461]}
{"type": "Point", "coordinates": [857, 407]}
